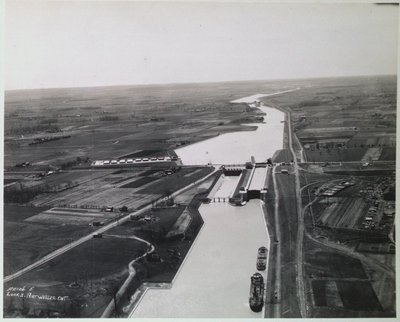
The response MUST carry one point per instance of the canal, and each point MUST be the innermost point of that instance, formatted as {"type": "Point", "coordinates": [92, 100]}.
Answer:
{"type": "Point", "coordinates": [214, 279]}
{"type": "Point", "coordinates": [238, 147]}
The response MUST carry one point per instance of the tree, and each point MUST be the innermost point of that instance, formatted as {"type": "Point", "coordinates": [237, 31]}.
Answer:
{"type": "Point", "coordinates": [123, 209]}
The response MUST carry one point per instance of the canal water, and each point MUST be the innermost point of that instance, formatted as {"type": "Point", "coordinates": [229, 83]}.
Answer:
{"type": "Point", "coordinates": [214, 279]}
{"type": "Point", "coordinates": [238, 147]}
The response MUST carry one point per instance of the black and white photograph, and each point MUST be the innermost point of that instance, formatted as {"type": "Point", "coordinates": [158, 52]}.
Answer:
{"type": "Point", "coordinates": [199, 159]}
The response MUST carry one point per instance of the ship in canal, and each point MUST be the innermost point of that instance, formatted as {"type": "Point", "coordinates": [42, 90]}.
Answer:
{"type": "Point", "coordinates": [262, 258]}
{"type": "Point", "coordinates": [256, 298]}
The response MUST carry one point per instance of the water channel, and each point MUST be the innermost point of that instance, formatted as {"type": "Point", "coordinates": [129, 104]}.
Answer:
{"type": "Point", "coordinates": [214, 280]}
{"type": "Point", "coordinates": [238, 147]}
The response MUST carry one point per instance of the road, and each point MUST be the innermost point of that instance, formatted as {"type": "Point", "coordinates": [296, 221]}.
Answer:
{"type": "Point", "coordinates": [277, 241]}
{"type": "Point", "coordinates": [83, 239]}
{"type": "Point", "coordinates": [383, 162]}
{"type": "Point", "coordinates": [238, 165]}
{"type": "Point", "coordinates": [300, 232]}
{"type": "Point", "coordinates": [300, 219]}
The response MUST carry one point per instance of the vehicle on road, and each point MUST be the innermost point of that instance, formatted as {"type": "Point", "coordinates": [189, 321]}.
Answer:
{"type": "Point", "coordinates": [256, 298]}
{"type": "Point", "coordinates": [284, 171]}
{"type": "Point", "coordinates": [97, 223]}
{"type": "Point", "coordinates": [262, 258]}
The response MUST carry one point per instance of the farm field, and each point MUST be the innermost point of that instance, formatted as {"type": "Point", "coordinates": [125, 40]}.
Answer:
{"type": "Point", "coordinates": [335, 214]}
{"type": "Point", "coordinates": [71, 216]}
{"type": "Point", "coordinates": [26, 242]}
{"type": "Point", "coordinates": [341, 287]}
{"type": "Point", "coordinates": [29, 234]}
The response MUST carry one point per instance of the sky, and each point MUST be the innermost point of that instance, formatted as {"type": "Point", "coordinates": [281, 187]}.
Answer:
{"type": "Point", "coordinates": [94, 43]}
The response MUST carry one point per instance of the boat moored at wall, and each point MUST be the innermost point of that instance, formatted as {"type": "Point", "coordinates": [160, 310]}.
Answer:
{"type": "Point", "coordinates": [256, 298]}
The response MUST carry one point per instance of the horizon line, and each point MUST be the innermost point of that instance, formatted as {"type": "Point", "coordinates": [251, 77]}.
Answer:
{"type": "Point", "coordinates": [200, 82]}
